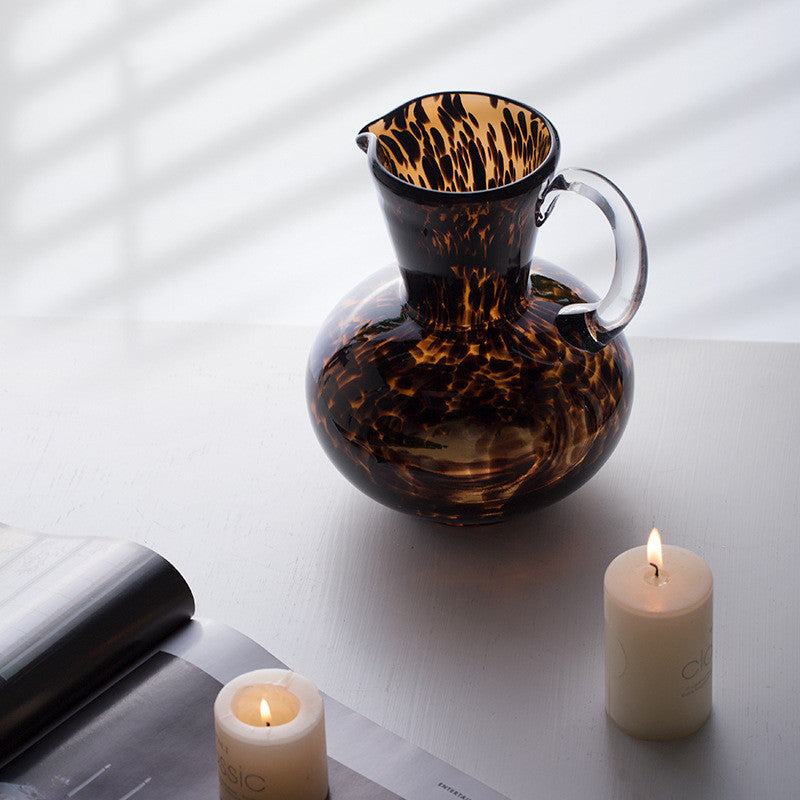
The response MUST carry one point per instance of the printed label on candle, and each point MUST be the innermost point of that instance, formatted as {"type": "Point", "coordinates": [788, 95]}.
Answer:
{"type": "Point", "coordinates": [234, 776]}
{"type": "Point", "coordinates": [698, 670]}
{"type": "Point", "coordinates": [703, 662]}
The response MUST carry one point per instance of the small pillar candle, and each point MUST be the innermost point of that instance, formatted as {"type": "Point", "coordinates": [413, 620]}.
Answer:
{"type": "Point", "coordinates": [658, 622]}
{"type": "Point", "coordinates": [270, 731]}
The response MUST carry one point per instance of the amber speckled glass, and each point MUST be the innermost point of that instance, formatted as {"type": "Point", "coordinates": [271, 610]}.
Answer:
{"type": "Point", "coordinates": [473, 381]}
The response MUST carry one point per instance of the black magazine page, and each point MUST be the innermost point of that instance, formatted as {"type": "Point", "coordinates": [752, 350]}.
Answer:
{"type": "Point", "coordinates": [74, 613]}
{"type": "Point", "coordinates": [151, 735]}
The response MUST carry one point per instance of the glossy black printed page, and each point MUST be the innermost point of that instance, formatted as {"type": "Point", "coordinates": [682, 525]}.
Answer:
{"type": "Point", "coordinates": [129, 720]}
{"type": "Point", "coordinates": [75, 612]}
{"type": "Point", "coordinates": [152, 733]}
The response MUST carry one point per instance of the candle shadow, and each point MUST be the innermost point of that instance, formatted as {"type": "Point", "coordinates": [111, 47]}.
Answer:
{"type": "Point", "coordinates": [678, 768]}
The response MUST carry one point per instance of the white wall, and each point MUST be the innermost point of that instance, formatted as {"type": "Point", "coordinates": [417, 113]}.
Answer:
{"type": "Point", "coordinates": [195, 159]}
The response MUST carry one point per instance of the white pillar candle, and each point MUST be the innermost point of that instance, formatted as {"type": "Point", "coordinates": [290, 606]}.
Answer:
{"type": "Point", "coordinates": [270, 729]}
{"type": "Point", "coordinates": [658, 613]}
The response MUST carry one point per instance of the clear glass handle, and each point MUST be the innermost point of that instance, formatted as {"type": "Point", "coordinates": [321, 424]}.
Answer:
{"type": "Point", "coordinates": [592, 325]}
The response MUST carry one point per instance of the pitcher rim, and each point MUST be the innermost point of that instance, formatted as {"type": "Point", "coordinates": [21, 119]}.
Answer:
{"type": "Point", "coordinates": [368, 142]}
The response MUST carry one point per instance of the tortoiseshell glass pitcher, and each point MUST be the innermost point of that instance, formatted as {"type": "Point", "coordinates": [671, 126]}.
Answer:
{"type": "Point", "coordinates": [473, 381]}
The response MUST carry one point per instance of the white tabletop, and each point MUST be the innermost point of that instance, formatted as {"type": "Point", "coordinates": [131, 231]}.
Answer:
{"type": "Point", "coordinates": [484, 646]}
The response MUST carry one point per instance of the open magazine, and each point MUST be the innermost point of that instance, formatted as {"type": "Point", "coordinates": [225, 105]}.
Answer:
{"type": "Point", "coordinates": [107, 685]}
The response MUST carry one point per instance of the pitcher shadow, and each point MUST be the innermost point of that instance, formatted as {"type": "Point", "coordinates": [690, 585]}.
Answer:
{"type": "Point", "coordinates": [468, 598]}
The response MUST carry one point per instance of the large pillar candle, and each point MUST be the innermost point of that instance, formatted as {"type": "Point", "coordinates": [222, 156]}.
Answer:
{"type": "Point", "coordinates": [658, 615]}
{"type": "Point", "coordinates": [270, 729]}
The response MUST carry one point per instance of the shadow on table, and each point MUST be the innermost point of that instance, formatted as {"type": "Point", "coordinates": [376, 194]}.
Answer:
{"type": "Point", "coordinates": [566, 546]}
{"type": "Point", "coordinates": [528, 589]}
{"type": "Point", "coordinates": [681, 767]}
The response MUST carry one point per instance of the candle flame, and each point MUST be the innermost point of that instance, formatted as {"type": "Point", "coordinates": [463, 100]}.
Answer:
{"type": "Point", "coordinates": [654, 555]}
{"type": "Point", "coordinates": [266, 715]}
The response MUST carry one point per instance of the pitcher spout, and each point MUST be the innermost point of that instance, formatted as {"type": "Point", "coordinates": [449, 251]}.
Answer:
{"type": "Point", "coordinates": [364, 138]}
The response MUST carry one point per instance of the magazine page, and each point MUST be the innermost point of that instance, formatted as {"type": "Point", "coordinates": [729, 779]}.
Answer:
{"type": "Point", "coordinates": [74, 611]}
{"type": "Point", "coordinates": [151, 735]}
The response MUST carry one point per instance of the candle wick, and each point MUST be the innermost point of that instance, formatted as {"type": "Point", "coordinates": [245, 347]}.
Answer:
{"type": "Point", "coordinates": [267, 723]}
{"type": "Point", "coordinates": [655, 567]}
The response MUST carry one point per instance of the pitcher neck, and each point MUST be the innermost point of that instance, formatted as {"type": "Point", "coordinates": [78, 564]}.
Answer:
{"type": "Point", "coordinates": [466, 297]}
{"type": "Point", "coordinates": [463, 262]}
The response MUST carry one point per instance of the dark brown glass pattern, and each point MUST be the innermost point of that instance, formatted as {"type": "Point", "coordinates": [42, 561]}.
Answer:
{"type": "Point", "coordinates": [444, 388]}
